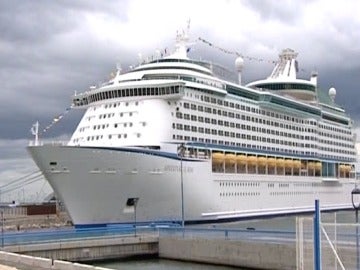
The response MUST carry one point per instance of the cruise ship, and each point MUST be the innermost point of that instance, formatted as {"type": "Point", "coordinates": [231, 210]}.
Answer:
{"type": "Point", "coordinates": [171, 141]}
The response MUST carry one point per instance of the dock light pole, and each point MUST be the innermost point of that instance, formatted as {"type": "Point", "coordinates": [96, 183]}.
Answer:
{"type": "Point", "coordinates": [181, 153]}
{"type": "Point", "coordinates": [135, 201]}
{"type": "Point", "coordinates": [355, 199]}
{"type": "Point", "coordinates": [2, 228]}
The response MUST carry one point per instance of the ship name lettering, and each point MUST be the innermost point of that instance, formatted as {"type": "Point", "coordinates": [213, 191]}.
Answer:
{"type": "Point", "coordinates": [175, 168]}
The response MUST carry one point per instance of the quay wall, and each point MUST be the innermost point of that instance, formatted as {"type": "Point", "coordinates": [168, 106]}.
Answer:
{"type": "Point", "coordinates": [92, 249]}
{"type": "Point", "coordinates": [25, 261]}
{"type": "Point", "coordinates": [258, 255]}
{"type": "Point", "coordinates": [264, 253]}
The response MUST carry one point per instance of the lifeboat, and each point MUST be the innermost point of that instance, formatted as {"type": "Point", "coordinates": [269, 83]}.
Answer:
{"type": "Point", "coordinates": [271, 162]}
{"type": "Point", "coordinates": [342, 168]}
{"type": "Point", "coordinates": [318, 166]}
{"type": "Point", "coordinates": [297, 164]}
{"type": "Point", "coordinates": [347, 168]}
{"type": "Point", "coordinates": [289, 163]}
{"type": "Point", "coordinates": [280, 162]}
{"type": "Point", "coordinates": [218, 158]}
{"type": "Point", "coordinates": [262, 161]}
{"type": "Point", "coordinates": [230, 159]}
{"type": "Point", "coordinates": [252, 160]}
{"type": "Point", "coordinates": [241, 159]}
{"type": "Point", "coordinates": [311, 165]}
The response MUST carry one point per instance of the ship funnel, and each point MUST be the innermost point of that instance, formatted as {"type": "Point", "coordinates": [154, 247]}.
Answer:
{"type": "Point", "coordinates": [314, 76]}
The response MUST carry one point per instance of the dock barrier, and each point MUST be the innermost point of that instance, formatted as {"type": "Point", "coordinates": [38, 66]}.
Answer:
{"type": "Point", "coordinates": [26, 261]}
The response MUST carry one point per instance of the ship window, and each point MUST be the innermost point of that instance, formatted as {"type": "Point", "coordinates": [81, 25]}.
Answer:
{"type": "Point", "coordinates": [53, 163]}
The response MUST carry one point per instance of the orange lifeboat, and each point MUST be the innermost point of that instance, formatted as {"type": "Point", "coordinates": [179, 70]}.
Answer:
{"type": "Point", "coordinates": [252, 160]}
{"type": "Point", "coordinates": [318, 166]}
{"type": "Point", "coordinates": [280, 162]}
{"type": "Point", "coordinates": [342, 168]}
{"type": "Point", "coordinates": [289, 163]}
{"type": "Point", "coordinates": [348, 168]}
{"type": "Point", "coordinates": [271, 162]}
{"type": "Point", "coordinates": [297, 164]}
{"type": "Point", "coordinates": [262, 161]}
{"type": "Point", "coordinates": [311, 165]}
{"type": "Point", "coordinates": [218, 158]}
{"type": "Point", "coordinates": [230, 159]}
{"type": "Point", "coordinates": [241, 159]}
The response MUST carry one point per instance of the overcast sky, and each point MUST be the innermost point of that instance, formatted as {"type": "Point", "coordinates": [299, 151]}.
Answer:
{"type": "Point", "coordinates": [50, 49]}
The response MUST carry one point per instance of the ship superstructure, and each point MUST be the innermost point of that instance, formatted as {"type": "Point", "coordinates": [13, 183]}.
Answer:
{"type": "Point", "coordinates": [169, 133]}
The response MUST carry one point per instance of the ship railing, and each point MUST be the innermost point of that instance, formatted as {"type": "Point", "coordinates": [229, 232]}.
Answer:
{"type": "Point", "coordinates": [53, 143]}
{"type": "Point", "coordinates": [246, 233]}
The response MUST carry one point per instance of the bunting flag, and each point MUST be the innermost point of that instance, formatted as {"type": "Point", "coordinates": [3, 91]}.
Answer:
{"type": "Point", "coordinates": [251, 58]}
{"type": "Point", "coordinates": [57, 119]}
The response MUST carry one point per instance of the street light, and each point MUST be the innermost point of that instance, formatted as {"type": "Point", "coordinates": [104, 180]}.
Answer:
{"type": "Point", "coordinates": [181, 154]}
{"type": "Point", "coordinates": [2, 228]}
{"type": "Point", "coordinates": [355, 199]}
{"type": "Point", "coordinates": [134, 202]}
{"type": "Point", "coordinates": [130, 203]}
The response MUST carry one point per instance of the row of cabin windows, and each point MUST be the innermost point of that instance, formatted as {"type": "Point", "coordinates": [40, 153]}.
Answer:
{"type": "Point", "coordinates": [130, 92]}
{"type": "Point", "coordinates": [238, 135]}
{"type": "Point", "coordinates": [285, 149]}
{"type": "Point", "coordinates": [111, 136]}
{"type": "Point", "coordinates": [250, 119]}
{"type": "Point", "coordinates": [250, 128]}
{"type": "Point", "coordinates": [238, 194]}
{"type": "Point", "coordinates": [243, 145]}
{"type": "Point", "coordinates": [259, 112]}
{"type": "Point", "coordinates": [213, 100]}
{"type": "Point", "coordinates": [116, 125]}
{"type": "Point", "coordinates": [117, 104]}
{"type": "Point", "coordinates": [109, 115]}
{"type": "Point", "coordinates": [239, 184]}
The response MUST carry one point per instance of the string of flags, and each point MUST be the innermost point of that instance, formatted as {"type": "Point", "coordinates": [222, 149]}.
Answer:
{"type": "Point", "coordinates": [56, 119]}
{"type": "Point", "coordinates": [251, 58]}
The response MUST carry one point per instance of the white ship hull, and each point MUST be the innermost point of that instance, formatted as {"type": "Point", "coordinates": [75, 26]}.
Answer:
{"type": "Point", "coordinates": [96, 183]}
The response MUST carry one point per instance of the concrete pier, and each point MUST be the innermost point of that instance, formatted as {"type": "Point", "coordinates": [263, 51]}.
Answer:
{"type": "Point", "coordinates": [239, 248]}
{"type": "Point", "coordinates": [257, 255]}
{"type": "Point", "coordinates": [91, 249]}
{"type": "Point", "coordinates": [15, 261]}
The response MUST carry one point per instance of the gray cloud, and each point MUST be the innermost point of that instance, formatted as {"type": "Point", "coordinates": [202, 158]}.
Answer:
{"type": "Point", "coordinates": [47, 53]}
{"type": "Point", "coordinates": [286, 11]}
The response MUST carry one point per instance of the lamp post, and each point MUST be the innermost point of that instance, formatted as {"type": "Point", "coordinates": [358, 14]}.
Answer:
{"type": "Point", "coordinates": [181, 153]}
{"type": "Point", "coordinates": [355, 199]}
{"type": "Point", "coordinates": [2, 228]}
{"type": "Point", "coordinates": [135, 201]}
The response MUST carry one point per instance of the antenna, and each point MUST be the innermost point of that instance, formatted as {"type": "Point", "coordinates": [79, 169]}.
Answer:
{"type": "Point", "coordinates": [35, 131]}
